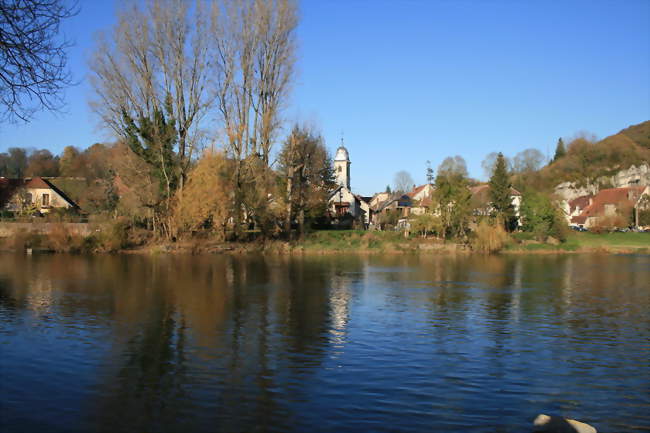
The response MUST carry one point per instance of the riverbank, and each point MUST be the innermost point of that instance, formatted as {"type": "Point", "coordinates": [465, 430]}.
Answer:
{"type": "Point", "coordinates": [61, 239]}
{"type": "Point", "coordinates": [328, 242]}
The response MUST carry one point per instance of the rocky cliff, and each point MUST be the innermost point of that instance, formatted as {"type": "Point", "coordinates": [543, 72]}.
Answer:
{"type": "Point", "coordinates": [635, 175]}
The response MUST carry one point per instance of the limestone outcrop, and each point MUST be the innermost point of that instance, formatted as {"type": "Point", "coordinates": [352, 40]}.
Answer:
{"type": "Point", "coordinates": [633, 176]}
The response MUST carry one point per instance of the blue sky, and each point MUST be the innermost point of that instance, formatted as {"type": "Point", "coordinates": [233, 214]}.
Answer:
{"type": "Point", "coordinates": [411, 81]}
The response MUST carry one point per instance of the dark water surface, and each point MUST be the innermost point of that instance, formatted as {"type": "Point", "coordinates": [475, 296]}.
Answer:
{"type": "Point", "coordinates": [331, 344]}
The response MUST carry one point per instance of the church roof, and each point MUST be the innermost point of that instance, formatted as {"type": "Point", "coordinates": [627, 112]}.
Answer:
{"type": "Point", "coordinates": [342, 154]}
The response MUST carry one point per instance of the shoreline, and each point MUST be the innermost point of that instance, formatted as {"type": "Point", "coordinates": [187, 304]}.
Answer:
{"type": "Point", "coordinates": [325, 242]}
{"type": "Point", "coordinates": [296, 249]}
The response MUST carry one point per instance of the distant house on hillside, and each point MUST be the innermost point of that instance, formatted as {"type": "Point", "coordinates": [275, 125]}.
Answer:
{"type": "Point", "coordinates": [613, 206]}
{"type": "Point", "coordinates": [35, 192]}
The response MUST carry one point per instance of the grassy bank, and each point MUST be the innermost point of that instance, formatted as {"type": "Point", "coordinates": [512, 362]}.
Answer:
{"type": "Point", "coordinates": [587, 242]}
{"type": "Point", "coordinates": [115, 238]}
{"type": "Point", "coordinates": [369, 241]}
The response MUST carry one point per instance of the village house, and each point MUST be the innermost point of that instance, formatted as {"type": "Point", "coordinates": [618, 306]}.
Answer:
{"type": "Point", "coordinates": [379, 198]}
{"type": "Point", "coordinates": [618, 205]}
{"type": "Point", "coordinates": [573, 208]}
{"type": "Point", "coordinates": [415, 202]}
{"type": "Point", "coordinates": [37, 193]}
{"type": "Point", "coordinates": [421, 198]}
{"type": "Point", "coordinates": [400, 203]}
{"type": "Point", "coordinates": [342, 200]}
{"type": "Point", "coordinates": [482, 204]}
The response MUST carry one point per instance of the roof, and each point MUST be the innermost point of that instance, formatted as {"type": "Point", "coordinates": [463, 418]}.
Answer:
{"type": "Point", "coordinates": [610, 196]}
{"type": "Point", "coordinates": [342, 154]}
{"type": "Point", "coordinates": [362, 198]}
{"type": "Point", "coordinates": [402, 201]}
{"type": "Point", "coordinates": [416, 190]}
{"type": "Point", "coordinates": [579, 203]}
{"type": "Point", "coordinates": [484, 188]}
{"type": "Point", "coordinates": [8, 188]}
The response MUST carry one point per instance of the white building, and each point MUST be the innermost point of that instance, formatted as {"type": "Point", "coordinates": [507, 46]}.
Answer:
{"type": "Point", "coordinates": [342, 200]}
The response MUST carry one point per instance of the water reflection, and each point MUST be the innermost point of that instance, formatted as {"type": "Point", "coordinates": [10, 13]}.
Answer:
{"type": "Point", "coordinates": [350, 343]}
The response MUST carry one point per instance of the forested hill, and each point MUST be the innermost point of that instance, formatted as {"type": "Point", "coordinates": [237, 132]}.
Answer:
{"type": "Point", "coordinates": [587, 161]}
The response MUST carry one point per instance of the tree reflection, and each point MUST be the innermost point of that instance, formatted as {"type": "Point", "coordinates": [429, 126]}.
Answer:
{"type": "Point", "coordinates": [232, 343]}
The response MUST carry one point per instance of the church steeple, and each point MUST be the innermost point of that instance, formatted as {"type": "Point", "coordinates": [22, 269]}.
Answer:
{"type": "Point", "coordinates": [342, 166]}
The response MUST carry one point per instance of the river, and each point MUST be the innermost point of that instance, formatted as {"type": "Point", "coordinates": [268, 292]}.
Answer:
{"type": "Point", "coordinates": [348, 343]}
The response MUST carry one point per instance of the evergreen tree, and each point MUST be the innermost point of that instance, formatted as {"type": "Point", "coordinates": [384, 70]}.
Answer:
{"type": "Point", "coordinates": [500, 193]}
{"type": "Point", "coordinates": [388, 189]}
{"type": "Point", "coordinates": [560, 150]}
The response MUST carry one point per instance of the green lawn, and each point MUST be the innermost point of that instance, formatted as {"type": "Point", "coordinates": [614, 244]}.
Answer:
{"type": "Point", "coordinates": [612, 240]}
{"type": "Point", "coordinates": [354, 240]}
{"type": "Point", "coordinates": [338, 240]}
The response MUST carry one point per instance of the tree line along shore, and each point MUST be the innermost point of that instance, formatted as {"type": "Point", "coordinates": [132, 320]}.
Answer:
{"type": "Point", "coordinates": [194, 95]}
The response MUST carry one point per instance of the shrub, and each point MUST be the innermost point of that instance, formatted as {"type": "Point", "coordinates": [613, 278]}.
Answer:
{"type": "Point", "coordinates": [489, 238]}
{"type": "Point", "coordinates": [59, 238]}
{"type": "Point", "coordinates": [542, 217]}
{"type": "Point", "coordinates": [426, 224]}
{"type": "Point", "coordinates": [114, 236]}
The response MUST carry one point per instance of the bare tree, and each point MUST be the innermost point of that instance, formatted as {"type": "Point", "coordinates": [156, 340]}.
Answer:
{"type": "Point", "coordinates": [490, 161]}
{"type": "Point", "coordinates": [33, 58]}
{"type": "Point", "coordinates": [151, 81]}
{"type": "Point", "coordinates": [528, 160]}
{"type": "Point", "coordinates": [254, 55]}
{"type": "Point", "coordinates": [453, 166]}
{"type": "Point", "coordinates": [402, 182]}
{"type": "Point", "coordinates": [155, 62]}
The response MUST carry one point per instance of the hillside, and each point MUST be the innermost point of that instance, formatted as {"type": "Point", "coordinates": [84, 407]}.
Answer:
{"type": "Point", "coordinates": [595, 163]}
{"type": "Point", "coordinates": [639, 133]}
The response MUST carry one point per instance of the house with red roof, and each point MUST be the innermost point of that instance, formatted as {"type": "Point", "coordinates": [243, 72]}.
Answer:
{"type": "Point", "coordinates": [421, 198]}
{"type": "Point", "coordinates": [573, 208]}
{"type": "Point", "coordinates": [37, 192]}
{"type": "Point", "coordinates": [609, 203]}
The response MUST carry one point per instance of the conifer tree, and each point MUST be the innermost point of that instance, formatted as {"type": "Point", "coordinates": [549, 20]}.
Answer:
{"type": "Point", "coordinates": [560, 150]}
{"type": "Point", "coordinates": [500, 193]}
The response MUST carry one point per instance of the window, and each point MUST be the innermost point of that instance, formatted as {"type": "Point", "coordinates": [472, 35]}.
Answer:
{"type": "Point", "coordinates": [46, 199]}
{"type": "Point", "coordinates": [28, 198]}
{"type": "Point", "coordinates": [340, 169]}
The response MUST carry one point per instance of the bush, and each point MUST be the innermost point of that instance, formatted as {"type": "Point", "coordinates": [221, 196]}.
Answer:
{"type": "Point", "coordinates": [114, 236]}
{"type": "Point", "coordinates": [542, 217]}
{"type": "Point", "coordinates": [489, 238]}
{"type": "Point", "coordinates": [426, 224]}
{"type": "Point", "coordinates": [59, 238]}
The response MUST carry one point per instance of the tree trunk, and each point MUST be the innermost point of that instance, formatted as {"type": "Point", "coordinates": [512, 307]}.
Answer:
{"type": "Point", "coordinates": [287, 222]}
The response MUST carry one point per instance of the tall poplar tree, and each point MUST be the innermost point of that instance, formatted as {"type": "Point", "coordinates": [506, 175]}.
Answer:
{"type": "Point", "coordinates": [500, 193]}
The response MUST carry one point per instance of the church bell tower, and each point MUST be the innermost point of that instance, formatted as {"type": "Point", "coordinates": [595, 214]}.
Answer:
{"type": "Point", "coordinates": [342, 166]}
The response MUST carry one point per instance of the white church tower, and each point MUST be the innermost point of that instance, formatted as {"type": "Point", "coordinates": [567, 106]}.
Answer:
{"type": "Point", "coordinates": [342, 166]}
